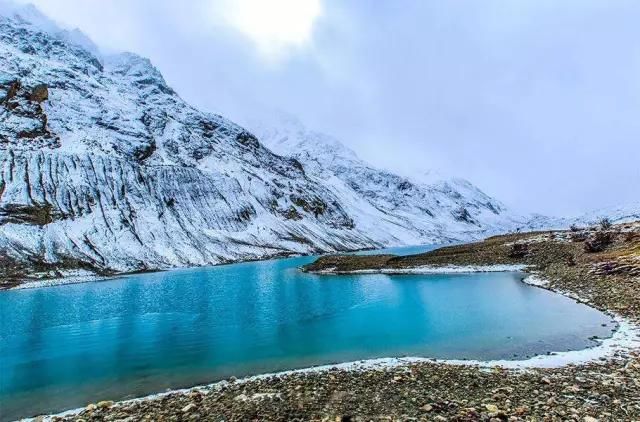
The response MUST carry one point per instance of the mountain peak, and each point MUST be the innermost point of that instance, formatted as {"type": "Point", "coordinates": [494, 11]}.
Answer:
{"type": "Point", "coordinates": [137, 69]}
{"type": "Point", "coordinates": [428, 207]}
{"type": "Point", "coordinates": [285, 134]}
{"type": "Point", "coordinates": [80, 39]}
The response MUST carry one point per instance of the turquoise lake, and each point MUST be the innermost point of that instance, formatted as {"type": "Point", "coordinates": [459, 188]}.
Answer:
{"type": "Point", "coordinates": [65, 346]}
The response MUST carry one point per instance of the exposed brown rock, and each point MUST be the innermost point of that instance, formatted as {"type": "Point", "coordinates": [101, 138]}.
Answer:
{"type": "Point", "coordinates": [12, 90]}
{"type": "Point", "coordinates": [39, 93]}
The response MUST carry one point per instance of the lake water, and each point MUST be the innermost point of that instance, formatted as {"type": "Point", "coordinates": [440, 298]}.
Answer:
{"type": "Point", "coordinates": [63, 347]}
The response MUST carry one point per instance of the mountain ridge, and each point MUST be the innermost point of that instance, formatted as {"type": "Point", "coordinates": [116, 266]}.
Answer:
{"type": "Point", "coordinates": [407, 210]}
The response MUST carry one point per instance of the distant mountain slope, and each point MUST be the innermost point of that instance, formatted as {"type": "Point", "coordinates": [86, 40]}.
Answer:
{"type": "Point", "coordinates": [426, 207]}
{"type": "Point", "coordinates": [392, 209]}
{"type": "Point", "coordinates": [620, 214]}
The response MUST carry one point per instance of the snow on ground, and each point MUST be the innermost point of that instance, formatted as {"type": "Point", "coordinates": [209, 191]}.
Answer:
{"type": "Point", "coordinates": [433, 269]}
{"type": "Point", "coordinates": [535, 280]}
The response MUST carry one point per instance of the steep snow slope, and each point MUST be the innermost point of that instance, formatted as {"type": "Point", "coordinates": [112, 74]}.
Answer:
{"type": "Point", "coordinates": [102, 165]}
{"type": "Point", "coordinates": [391, 208]}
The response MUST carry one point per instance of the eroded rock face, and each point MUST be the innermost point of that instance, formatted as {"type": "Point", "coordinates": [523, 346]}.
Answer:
{"type": "Point", "coordinates": [9, 89]}
{"type": "Point", "coordinates": [38, 214]}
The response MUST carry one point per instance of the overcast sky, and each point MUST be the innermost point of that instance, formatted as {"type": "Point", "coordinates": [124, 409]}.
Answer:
{"type": "Point", "coordinates": [535, 101]}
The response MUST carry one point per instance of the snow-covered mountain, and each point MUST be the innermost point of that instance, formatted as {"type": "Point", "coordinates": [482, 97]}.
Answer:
{"type": "Point", "coordinates": [421, 208]}
{"type": "Point", "coordinates": [104, 167]}
{"type": "Point", "coordinates": [392, 209]}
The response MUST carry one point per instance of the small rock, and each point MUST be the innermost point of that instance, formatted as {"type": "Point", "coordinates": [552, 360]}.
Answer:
{"type": "Point", "coordinates": [105, 404]}
{"type": "Point", "coordinates": [241, 397]}
{"type": "Point", "coordinates": [188, 408]}
{"type": "Point", "coordinates": [492, 408]}
{"type": "Point", "coordinates": [522, 410]}
{"type": "Point", "coordinates": [589, 419]}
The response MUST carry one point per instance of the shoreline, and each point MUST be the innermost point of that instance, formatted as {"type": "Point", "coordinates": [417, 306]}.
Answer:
{"type": "Point", "coordinates": [92, 277]}
{"type": "Point", "coordinates": [63, 281]}
{"type": "Point", "coordinates": [29, 283]}
{"type": "Point", "coordinates": [89, 277]}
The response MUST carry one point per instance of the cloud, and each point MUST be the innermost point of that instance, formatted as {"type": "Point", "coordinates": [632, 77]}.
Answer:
{"type": "Point", "coordinates": [274, 26]}
{"type": "Point", "coordinates": [536, 101]}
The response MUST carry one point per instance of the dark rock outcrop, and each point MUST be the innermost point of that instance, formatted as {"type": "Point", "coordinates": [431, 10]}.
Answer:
{"type": "Point", "coordinates": [39, 93]}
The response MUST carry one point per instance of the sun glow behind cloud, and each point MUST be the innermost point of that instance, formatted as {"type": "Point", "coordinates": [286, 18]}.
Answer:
{"type": "Point", "coordinates": [275, 26]}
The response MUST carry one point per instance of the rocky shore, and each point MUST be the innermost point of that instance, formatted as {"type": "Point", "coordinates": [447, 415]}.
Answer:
{"type": "Point", "coordinates": [422, 391]}
{"type": "Point", "coordinates": [598, 265]}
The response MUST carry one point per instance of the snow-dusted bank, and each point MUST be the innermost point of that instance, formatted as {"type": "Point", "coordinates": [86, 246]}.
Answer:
{"type": "Point", "coordinates": [68, 277]}
{"type": "Point", "coordinates": [430, 269]}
